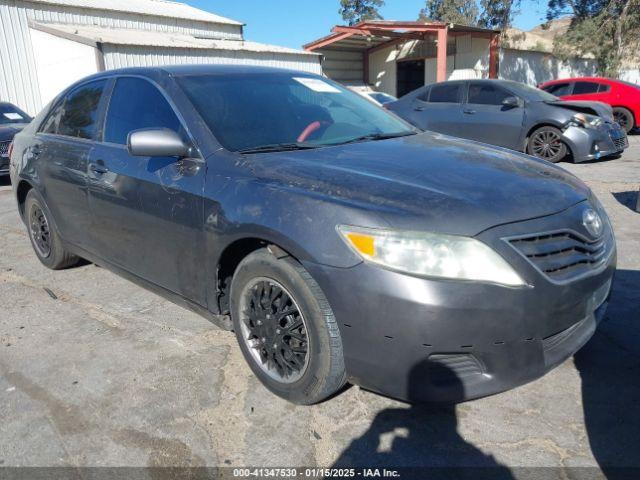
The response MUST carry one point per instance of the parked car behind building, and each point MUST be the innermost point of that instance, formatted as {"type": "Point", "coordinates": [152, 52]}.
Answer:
{"type": "Point", "coordinates": [515, 116]}
{"type": "Point", "coordinates": [343, 244]}
{"type": "Point", "coordinates": [12, 120]}
{"type": "Point", "coordinates": [624, 97]}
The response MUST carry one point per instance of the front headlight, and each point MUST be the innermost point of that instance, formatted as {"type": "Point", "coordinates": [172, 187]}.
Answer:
{"type": "Point", "coordinates": [431, 254]}
{"type": "Point", "coordinates": [585, 120]}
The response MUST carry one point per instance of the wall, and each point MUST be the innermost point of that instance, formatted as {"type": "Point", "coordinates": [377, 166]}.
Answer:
{"type": "Point", "coordinates": [119, 56]}
{"type": "Point", "coordinates": [343, 66]}
{"type": "Point", "coordinates": [18, 75]}
{"type": "Point", "coordinates": [536, 67]}
{"type": "Point", "coordinates": [632, 76]}
{"type": "Point", "coordinates": [60, 62]}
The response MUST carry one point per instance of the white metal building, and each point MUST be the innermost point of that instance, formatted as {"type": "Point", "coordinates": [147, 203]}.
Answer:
{"type": "Point", "coordinates": [45, 45]}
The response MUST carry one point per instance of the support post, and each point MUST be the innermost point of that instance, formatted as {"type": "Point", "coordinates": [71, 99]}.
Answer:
{"type": "Point", "coordinates": [494, 55]}
{"type": "Point", "coordinates": [441, 55]}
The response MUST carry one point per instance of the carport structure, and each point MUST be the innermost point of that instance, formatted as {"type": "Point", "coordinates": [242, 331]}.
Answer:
{"type": "Point", "coordinates": [366, 39]}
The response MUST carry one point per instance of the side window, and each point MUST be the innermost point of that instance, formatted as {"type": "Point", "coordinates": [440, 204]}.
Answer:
{"type": "Point", "coordinates": [559, 89]}
{"type": "Point", "coordinates": [583, 88]}
{"type": "Point", "coordinates": [486, 94]}
{"type": "Point", "coordinates": [80, 111]}
{"type": "Point", "coordinates": [445, 93]}
{"type": "Point", "coordinates": [135, 104]}
{"type": "Point", "coordinates": [604, 88]}
{"type": "Point", "coordinates": [424, 95]}
{"type": "Point", "coordinates": [50, 125]}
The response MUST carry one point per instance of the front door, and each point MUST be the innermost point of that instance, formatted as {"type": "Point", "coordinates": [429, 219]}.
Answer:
{"type": "Point", "coordinates": [147, 212]}
{"type": "Point", "coordinates": [63, 146]}
{"type": "Point", "coordinates": [487, 120]}
{"type": "Point", "coordinates": [410, 76]}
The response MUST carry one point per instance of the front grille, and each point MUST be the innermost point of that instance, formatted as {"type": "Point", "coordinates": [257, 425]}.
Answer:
{"type": "Point", "coordinates": [451, 367]}
{"type": "Point", "coordinates": [563, 256]}
{"type": "Point", "coordinates": [621, 143]}
{"type": "Point", "coordinates": [4, 149]}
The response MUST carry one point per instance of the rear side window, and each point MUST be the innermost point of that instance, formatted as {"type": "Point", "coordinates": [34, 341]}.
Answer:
{"type": "Point", "coordinates": [424, 95]}
{"type": "Point", "coordinates": [604, 88]}
{"type": "Point", "coordinates": [558, 89]}
{"type": "Point", "coordinates": [486, 94]}
{"type": "Point", "coordinates": [584, 88]}
{"type": "Point", "coordinates": [445, 93]}
{"type": "Point", "coordinates": [135, 104]}
{"type": "Point", "coordinates": [76, 115]}
{"type": "Point", "coordinates": [79, 117]}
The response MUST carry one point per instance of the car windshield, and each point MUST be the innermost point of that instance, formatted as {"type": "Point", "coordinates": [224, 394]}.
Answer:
{"type": "Point", "coordinates": [531, 93]}
{"type": "Point", "coordinates": [11, 114]}
{"type": "Point", "coordinates": [282, 111]}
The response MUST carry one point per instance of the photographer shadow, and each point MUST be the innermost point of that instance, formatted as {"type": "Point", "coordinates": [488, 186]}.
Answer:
{"type": "Point", "coordinates": [422, 439]}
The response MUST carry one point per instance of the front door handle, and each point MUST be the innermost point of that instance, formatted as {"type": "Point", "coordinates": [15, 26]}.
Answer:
{"type": "Point", "coordinates": [419, 109]}
{"type": "Point", "coordinates": [98, 169]}
{"type": "Point", "coordinates": [468, 111]}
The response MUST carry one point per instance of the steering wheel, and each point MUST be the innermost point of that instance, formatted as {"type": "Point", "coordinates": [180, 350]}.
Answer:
{"type": "Point", "coordinates": [309, 129]}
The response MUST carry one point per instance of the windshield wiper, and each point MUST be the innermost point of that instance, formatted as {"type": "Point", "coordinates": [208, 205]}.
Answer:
{"type": "Point", "coordinates": [378, 136]}
{"type": "Point", "coordinates": [278, 147]}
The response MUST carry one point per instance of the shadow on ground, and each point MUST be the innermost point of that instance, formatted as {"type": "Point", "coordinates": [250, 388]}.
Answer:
{"type": "Point", "coordinates": [427, 435]}
{"type": "Point", "coordinates": [630, 199]}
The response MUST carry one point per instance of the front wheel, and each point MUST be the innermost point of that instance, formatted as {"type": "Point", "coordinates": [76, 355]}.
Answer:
{"type": "Point", "coordinates": [624, 118]}
{"type": "Point", "coordinates": [546, 143]}
{"type": "Point", "coordinates": [286, 329]}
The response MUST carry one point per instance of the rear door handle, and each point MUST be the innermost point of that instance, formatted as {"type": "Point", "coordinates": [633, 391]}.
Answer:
{"type": "Point", "coordinates": [99, 169]}
{"type": "Point", "coordinates": [419, 109]}
{"type": "Point", "coordinates": [468, 111]}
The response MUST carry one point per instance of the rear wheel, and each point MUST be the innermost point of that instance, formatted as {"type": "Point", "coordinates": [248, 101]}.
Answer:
{"type": "Point", "coordinates": [546, 143]}
{"type": "Point", "coordinates": [286, 329]}
{"type": "Point", "coordinates": [43, 235]}
{"type": "Point", "coordinates": [624, 118]}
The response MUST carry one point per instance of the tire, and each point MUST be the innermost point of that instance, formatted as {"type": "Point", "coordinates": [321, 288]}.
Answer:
{"type": "Point", "coordinates": [624, 118]}
{"type": "Point", "coordinates": [44, 236]}
{"type": "Point", "coordinates": [545, 143]}
{"type": "Point", "coordinates": [263, 283]}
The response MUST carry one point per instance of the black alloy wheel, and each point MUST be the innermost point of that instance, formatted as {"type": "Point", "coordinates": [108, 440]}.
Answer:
{"type": "Point", "coordinates": [286, 328]}
{"type": "Point", "coordinates": [274, 329]}
{"type": "Point", "coordinates": [624, 118]}
{"type": "Point", "coordinates": [39, 231]}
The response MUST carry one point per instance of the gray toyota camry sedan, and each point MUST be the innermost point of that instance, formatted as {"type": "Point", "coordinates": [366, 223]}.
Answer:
{"type": "Point", "coordinates": [516, 116]}
{"type": "Point", "coordinates": [336, 241]}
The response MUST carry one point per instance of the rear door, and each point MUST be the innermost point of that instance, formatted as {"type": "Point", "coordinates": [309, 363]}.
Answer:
{"type": "Point", "coordinates": [487, 120]}
{"type": "Point", "coordinates": [439, 108]}
{"type": "Point", "coordinates": [62, 147]}
{"type": "Point", "coordinates": [147, 212]}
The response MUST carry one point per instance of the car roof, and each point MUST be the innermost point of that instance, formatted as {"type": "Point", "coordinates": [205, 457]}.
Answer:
{"type": "Point", "coordinates": [581, 79]}
{"type": "Point", "coordinates": [180, 70]}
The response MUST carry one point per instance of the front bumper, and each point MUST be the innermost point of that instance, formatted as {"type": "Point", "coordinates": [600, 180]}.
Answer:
{"type": "Point", "coordinates": [595, 143]}
{"type": "Point", "coordinates": [421, 339]}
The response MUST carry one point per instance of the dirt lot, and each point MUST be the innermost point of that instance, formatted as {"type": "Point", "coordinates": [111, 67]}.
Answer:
{"type": "Point", "coordinates": [95, 371]}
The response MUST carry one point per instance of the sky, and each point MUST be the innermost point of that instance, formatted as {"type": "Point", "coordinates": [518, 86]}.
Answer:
{"type": "Point", "coordinates": [292, 23]}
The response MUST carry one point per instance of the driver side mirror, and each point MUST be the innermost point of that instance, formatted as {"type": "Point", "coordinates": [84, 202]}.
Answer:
{"type": "Point", "coordinates": [511, 102]}
{"type": "Point", "coordinates": [157, 142]}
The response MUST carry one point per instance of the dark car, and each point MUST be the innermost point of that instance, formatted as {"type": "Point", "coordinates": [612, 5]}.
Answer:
{"type": "Point", "coordinates": [515, 116]}
{"type": "Point", "coordinates": [623, 97]}
{"type": "Point", "coordinates": [12, 120]}
{"type": "Point", "coordinates": [337, 242]}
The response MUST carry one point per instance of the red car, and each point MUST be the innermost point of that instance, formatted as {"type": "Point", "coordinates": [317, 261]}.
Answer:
{"type": "Point", "coordinates": [624, 97]}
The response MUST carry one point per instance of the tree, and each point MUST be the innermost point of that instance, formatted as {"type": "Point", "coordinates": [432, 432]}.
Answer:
{"type": "Point", "coordinates": [463, 12]}
{"type": "Point", "coordinates": [356, 11]}
{"type": "Point", "coordinates": [498, 14]}
{"type": "Point", "coordinates": [608, 30]}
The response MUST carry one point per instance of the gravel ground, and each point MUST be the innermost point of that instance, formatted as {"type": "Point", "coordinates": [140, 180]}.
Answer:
{"type": "Point", "coordinates": [95, 371]}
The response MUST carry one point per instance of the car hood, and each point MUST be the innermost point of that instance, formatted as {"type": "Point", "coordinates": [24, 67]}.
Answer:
{"type": "Point", "coordinates": [427, 181]}
{"type": "Point", "coordinates": [8, 131]}
{"type": "Point", "coordinates": [592, 108]}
